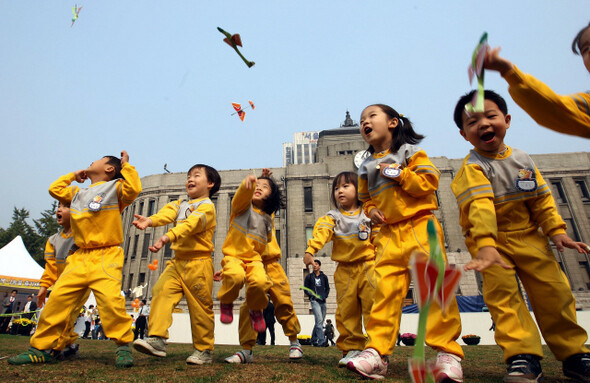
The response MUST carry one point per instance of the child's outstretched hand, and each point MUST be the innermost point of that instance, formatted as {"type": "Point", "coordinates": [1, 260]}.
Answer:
{"type": "Point", "coordinates": [124, 157]}
{"type": "Point", "coordinates": [486, 257]}
{"type": "Point", "coordinates": [250, 181]}
{"type": "Point", "coordinates": [377, 217]}
{"type": "Point", "coordinates": [561, 240]}
{"type": "Point", "coordinates": [493, 61]}
{"type": "Point", "coordinates": [218, 276]}
{"type": "Point", "coordinates": [308, 259]}
{"type": "Point", "coordinates": [141, 222]}
{"type": "Point", "coordinates": [81, 176]}
{"type": "Point", "coordinates": [266, 172]}
{"type": "Point", "coordinates": [158, 245]}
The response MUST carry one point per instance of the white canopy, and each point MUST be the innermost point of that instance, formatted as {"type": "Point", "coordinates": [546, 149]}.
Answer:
{"type": "Point", "coordinates": [16, 264]}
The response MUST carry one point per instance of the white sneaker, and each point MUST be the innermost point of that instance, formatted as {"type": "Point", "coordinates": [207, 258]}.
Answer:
{"type": "Point", "coordinates": [295, 351]}
{"type": "Point", "coordinates": [349, 355]}
{"type": "Point", "coordinates": [369, 364]}
{"type": "Point", "coordinates": [449, 368]}
{"type": "Point", "coordinates": [153, 345]}
{"type": "Point", "coordinates": [200, 357]}
{"type": "Point", "coordinates": [242, 356]}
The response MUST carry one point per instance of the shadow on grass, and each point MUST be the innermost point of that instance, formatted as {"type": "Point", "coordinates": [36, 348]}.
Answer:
{"type": "Point", "coordinates": [271, 364]}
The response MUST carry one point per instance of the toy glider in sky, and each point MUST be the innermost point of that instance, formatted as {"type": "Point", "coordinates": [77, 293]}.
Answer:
{"type": "Point", "coordinates": [434, 281]}
{"type": "Point", "coordinates": [75, 12]}
{"type": "Point", "coordinates": [476, 69]}
{"type": "Point", "coordinates": [234, 41]}
{"type": "Point", "coordinates": [239, 111]}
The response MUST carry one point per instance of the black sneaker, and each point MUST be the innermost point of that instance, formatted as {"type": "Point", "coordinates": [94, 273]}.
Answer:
{"type": "Point", "coordinates": [523, 368]}
{"type": "Point", "coordinates": [577, 367]}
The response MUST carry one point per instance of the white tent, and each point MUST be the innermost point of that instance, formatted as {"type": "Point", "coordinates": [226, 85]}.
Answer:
{"type": "Point", "coordinates": [17, 267]}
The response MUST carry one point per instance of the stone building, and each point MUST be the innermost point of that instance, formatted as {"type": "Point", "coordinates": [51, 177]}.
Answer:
{"type": "Point", "coordinates": [307, 191]}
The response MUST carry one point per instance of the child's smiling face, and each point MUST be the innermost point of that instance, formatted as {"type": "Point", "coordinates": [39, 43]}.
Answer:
{"type": "Point", "coordinates": [376, 128]}
{"type": "Point", "coordinates": [261, 193]}
{"type": "Point", "coordinates": [486, 130]}
{"type": "Point", "coordinates": [197, 184]}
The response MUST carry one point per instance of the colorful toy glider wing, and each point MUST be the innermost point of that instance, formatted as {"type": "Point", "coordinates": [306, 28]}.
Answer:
{"type": "Point", "coordinates": [434, 281]}
{"type": "Point", "coordinates": [234, 41]}
{"type": "Point", "coordinates": [75, 13]}
{"type": "Point", "coordinates": [476, 69]}
{"type": "Point", "coordinates": [239, 111]}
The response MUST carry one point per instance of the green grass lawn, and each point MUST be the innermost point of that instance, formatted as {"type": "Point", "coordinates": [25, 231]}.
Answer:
{"type": "Point", "coordinates": [271, 364]}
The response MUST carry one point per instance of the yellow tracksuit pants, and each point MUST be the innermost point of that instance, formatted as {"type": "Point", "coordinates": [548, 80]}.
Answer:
{"type": "Point", "coordinates": [355, 291]}
{"type": "Point", "coordinates": [100, 271]}
{"type": "Point", "coordinates": [548, 291]}
{"type": "Point", "coordinates": [193, 279]}
{"type": "Point", "coordinates": [280, 295]}
{"type": "Point", "coordinates": [394, 245]}
{"type": "Point", "coordinates": [70, 335]}
{"type": "Point", "coordinates": [236, 273]}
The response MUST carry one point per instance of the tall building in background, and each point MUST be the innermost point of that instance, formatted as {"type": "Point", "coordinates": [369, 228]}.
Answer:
{"type": "Point", "coordinates": [307, 188]}
{"type": "Point", "coordinates": [302, 149]}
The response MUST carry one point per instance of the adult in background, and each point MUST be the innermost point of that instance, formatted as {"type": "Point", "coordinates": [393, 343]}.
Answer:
{"type": "Point", "coordinates": [142, 319]}
{"type": "Point", "coordinates": [8, 305]}
{"type": "Point", "coordinates": [317, 281]}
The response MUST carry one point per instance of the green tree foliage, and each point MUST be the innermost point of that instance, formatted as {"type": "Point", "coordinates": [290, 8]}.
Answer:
{"type": "Point", "coordinates": [34, 238]}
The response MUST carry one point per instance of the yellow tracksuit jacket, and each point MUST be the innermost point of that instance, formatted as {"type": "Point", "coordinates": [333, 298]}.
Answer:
{"type": "Point", "coordinates": [407, 202]}
{"type": "Point", "coordinates": [189, 273]}
{"type": "Point", "coordinates": [95, 218]}
{"type": "Point", "coordinates": [503, 200]}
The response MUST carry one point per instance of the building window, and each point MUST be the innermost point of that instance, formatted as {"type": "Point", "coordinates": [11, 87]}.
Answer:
{"type": "Point", "coordinates": [585, 273]}
{"type": "Point", "coordinates": [308, 233]}
{"type": "Point", "coordinates": [151, 206]}
{"type": "Point", "coordinates": [146, 244]}
{"type": "Point", "coordinates": [307, 198]}
{"type": "Point", "coordinates": [572, 230]}
{"type": "Point", "coordinates": [172, 198]}
{"type": "Point", "coordinates": [135, 246]}
{"type": "Point", "coordinates": [140, 210]}
{"type": "Point", "coordinates": [583, 190]}
{"type": "Point", "coordinates": [299, 154]}
{"type": "Point", "coordinates": [167, 250]}
{"type": "Point", "coordinates": [141, 278]}
{"type": "Point", "coordinates": [278, 236]}
{"type": "Point", "coordinates": [557, 191]}
{"type": "Point", "coordinates": [130, 281]}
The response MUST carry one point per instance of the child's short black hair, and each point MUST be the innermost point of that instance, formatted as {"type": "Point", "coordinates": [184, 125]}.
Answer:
{"type": "Point", "coordinates": [346, 177]}
{"type": "Point", "coordinates": [576, 43]}
{"type": "Point", "coordinates": [404, 133]}
{"type": "Point", "coordinates": [212, 176]}
{"type": "Point", "coordinates": [466, 99]}
{"type": "Point", "coordinates": [275, 200]}
{"type": "Point", "coordinates": [116, 163]}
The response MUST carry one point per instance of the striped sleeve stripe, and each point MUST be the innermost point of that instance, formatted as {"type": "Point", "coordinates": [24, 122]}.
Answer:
{"type": "Point", "coordinates": [480, 190]}
{"type": "Point", "coordinates": [427, 169]}
{"type": "Point", "coordinates": [582, 104]}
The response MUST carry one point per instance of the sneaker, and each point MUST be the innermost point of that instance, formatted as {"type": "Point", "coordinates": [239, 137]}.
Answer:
{"type": "Point", "coordinates": [152, 345]}
{"type": "Point", "coordinates": [227, 312]}
{"type": "Point", "coordinates": [200, 357]}
{"type": "Point", "coordinates": [257, 320]}
{"type": "Point", "coordinates": [369, 364]}
{"type": "Point", "coordinates": [295, 351]}
{"type": "Point", "coordinates": [523, 368]}
{"type": "Point", "coordinates": [71, 351]}
{"type": "Point", "coordinates": [349, 355]}
{"type": "Point", "coordinates": [448, 368]}
{"type": "Point", "coordinates": [32, 355]}
{"type": "Point", "coordinates": [123, 358]}
{"type": "Point", "coordinates": [240, 357]}
{"type": "Point", "coordinates": [577, 367]}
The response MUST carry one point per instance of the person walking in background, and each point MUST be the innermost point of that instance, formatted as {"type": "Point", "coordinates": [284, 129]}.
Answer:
{"type": "Point", "coordinates": [142, 318]}
{"type": "Point", "coordinates": [317, 281]}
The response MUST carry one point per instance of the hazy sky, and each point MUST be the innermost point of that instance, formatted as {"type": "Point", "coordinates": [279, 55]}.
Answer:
{"type": "Point", "coordinates": [156, 79]}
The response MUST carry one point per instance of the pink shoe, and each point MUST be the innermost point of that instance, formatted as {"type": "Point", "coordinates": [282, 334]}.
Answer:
{"type": "Point", "coordinates": [449, 368]}
{"type": "Point", "coordinates": [369, 364]}
{"type": "Point", "coordinates": [257, 320]}
{"type": "Point", "coordinates": [227, 312]}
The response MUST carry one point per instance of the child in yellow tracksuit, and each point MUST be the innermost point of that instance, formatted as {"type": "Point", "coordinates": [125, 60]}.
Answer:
{"type": "Point", "coordinates": [349, 229]}
{"type": "Point", "coordinates": [59, 246]}
{"type": "Point", "coordinates": [190, 272]}
{"type": "Point", "coordinates": [280, 295]}
{"type": "Point", "coordinates": [503, 201]}
{"type": "Point", "coordinates": [98, 261]}
{"type": "Point", "coordinates": [565, 114]}
{"type": "Point", "coordinates": [250, 230]}
{"type": "Point", "coordinates": [397, 186]}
